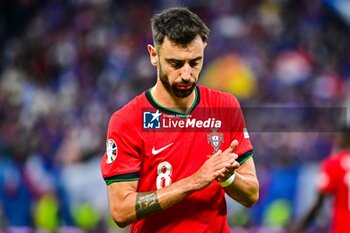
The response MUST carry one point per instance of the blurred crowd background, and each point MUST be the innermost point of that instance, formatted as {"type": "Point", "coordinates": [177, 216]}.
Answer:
{"type": "Point", "coordinates": [66, 66]}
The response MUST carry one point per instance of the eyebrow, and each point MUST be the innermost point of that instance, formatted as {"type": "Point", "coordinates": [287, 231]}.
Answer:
{"type": "Point", "coordinates": [178, 60]}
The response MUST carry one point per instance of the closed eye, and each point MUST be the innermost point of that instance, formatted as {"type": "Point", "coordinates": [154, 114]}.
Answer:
{"type": "Point", "coordinates": [194, 63]}
{"type": "Point", "coordinates": [176, 64]}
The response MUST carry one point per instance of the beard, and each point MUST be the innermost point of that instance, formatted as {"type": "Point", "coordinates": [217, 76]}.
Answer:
{"type": "Point", "coordinates": [173, 89]}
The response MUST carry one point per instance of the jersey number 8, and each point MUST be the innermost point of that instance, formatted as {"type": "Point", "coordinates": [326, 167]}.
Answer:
{"type": "Point", "coordinates": [164, 171]}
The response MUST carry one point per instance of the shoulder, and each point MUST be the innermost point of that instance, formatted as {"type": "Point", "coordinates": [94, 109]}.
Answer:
{"type": "Point", "coordinates": [219, 98]}
{"type": "Point", "coordinates": [332, 160]}
{"type": "Point", "coordinates": [130, 112]}
{"type": "Point", "coordinates": [338, 158]}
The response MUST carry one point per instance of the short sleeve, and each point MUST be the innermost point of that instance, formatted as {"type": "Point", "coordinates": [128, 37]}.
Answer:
{"type": "Point", "coordinates": [240, 133]}
{"type": "Point", "coordinates": [121, 160]}
{"type": "Point", "coordinates": [326, 182]}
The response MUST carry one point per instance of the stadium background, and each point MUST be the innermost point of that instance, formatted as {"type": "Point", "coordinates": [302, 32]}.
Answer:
{"type": "Point", "coordinates": [65, 66]}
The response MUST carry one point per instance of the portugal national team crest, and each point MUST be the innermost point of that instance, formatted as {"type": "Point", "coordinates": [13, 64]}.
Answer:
{"type": "Point", "coordinates": [111, 150]}
{"type": "Point", "coordinates": [215, 139]}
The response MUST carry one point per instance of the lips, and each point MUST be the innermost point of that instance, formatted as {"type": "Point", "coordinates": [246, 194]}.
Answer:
{"type": "Point", "coordinates": [183, 86]}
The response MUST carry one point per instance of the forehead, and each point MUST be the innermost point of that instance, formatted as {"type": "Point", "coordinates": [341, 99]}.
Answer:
{"type": "Point", "coordinates": [192, 50]}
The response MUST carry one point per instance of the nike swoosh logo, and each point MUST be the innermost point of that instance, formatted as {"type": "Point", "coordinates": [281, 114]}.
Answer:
{"type": "Point", "coordinates": [155, 152]}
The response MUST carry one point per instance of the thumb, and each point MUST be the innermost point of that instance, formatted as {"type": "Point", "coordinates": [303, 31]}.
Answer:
{"type": "Point", "coordinates": [234, 144]}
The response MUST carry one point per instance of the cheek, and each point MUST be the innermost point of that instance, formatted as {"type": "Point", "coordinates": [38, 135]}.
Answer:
{"type": "Point", "coordinates": [171, 72]}
{"type": "Point", "coordinates": [173, 76]}
{"type": "Point", "coordinates": [195, 72]}
{"type": "Point", "coordinates": [199, 68]}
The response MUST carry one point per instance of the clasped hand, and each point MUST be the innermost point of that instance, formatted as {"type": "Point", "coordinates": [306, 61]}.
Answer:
{"type": "Point", "coordinates": [219, 166]}
{"type": "Point", "coordinates": [230, 163]}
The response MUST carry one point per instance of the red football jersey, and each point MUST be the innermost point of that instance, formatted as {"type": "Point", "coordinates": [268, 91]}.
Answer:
{"type": "Point", "coordinates": [158, 146]}
{"type": "Point", "coordinates": [335, 180]}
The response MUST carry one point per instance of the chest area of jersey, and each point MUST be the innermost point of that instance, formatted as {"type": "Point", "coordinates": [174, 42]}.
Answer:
{"type": "Point", "coordinates": [183, 151]}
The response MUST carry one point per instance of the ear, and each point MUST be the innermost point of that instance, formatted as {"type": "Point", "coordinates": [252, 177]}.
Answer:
{"type": "Point", "coordinates": [153, 54]}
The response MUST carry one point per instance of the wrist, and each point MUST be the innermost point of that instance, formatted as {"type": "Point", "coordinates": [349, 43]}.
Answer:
{"type": "Point", "coordinates": [229, 181]}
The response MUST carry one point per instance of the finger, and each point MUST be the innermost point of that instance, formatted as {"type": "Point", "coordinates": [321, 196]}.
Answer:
{"type": "Point", "coordinates": [234, 165]}
{"type": "Point", "coordinates": [234, 144]}
{"type": "Point", "coordinates": [217, 153]}
{"type": "Point", "coordinates": [221, 173]}
{"type": "Point", "coordinates": [224, 176]}
{"type": "Point", "coordinates": [231, 169]}
{"type": "Point", "coordinates": [224, 160]}
{"type": "Point", "coordinates": [234, 155]}
{"type": "Point", "coordinates": [228, 172]}
{"type": "Point", "coordinates": [229, 150]}
{"type": "Point", "coordinates": [231, 157]}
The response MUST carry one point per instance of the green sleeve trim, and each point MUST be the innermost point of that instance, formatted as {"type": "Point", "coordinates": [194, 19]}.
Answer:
{"type": "Point", "coordinates": [244, 157]}
{"type": "Point", "coordinates": [122, 178]}
{"type": "Point", "coordinates": [108, 182]}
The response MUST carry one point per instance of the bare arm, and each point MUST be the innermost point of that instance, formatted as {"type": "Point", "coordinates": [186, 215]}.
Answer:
{"type": "Point", "coordinates": [127, 205]}
{"type": "Point", "coordinates": [245, 186]}
{"type": "Point", "coordinates": [309, 216]}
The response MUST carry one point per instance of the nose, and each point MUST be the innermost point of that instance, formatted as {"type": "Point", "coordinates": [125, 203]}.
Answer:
{"type": "Point", "coordinates": [186, 72]}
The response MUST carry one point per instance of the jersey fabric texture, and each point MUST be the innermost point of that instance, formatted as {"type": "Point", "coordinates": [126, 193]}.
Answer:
{"type": "Point", "coordinates": [335, 180]}
{"type": "Point", "coordinates": [158, 146]}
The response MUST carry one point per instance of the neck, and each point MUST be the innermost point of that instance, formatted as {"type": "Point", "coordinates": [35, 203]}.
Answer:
{"type": "Point", "coordinates": [168, 100]}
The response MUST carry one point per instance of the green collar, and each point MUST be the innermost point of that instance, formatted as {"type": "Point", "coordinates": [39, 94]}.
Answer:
{"type": "Point", "coordinates": [169, 111]}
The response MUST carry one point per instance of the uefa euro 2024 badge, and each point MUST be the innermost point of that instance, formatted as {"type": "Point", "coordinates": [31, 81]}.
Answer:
{"type": "Point", "coordinates": [111, 151]}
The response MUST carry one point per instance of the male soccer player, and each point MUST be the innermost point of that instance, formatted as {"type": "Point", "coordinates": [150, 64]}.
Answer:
{"type": "Point", "coordinates": [175, 150]}
{"type": "Point", "coordinates": [333, 181]}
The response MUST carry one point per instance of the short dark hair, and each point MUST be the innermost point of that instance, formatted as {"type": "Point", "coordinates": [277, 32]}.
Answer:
{"type": "Point", "coordinates": [180, 25]}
